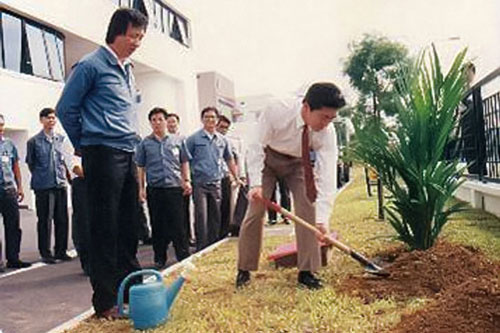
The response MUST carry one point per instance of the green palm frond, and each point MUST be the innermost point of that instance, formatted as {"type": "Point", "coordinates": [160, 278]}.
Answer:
{"type": "Point", "coordinates": [409, 158]}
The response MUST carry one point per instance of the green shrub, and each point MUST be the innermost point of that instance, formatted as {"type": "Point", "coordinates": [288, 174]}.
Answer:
{"type": "Point", "coordinates": [409, 156]}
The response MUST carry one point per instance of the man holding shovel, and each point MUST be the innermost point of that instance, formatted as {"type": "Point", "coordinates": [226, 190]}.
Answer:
{"type": "Point", "coordinates": [288, 130]}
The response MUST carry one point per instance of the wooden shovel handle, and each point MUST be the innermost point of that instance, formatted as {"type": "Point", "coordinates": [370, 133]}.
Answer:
{"type": "Point", "coordinates": [277, 208]}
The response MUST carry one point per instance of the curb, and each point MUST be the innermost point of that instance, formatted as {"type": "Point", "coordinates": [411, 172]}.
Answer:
{"type": "Point", "coordinates": [73, 322]}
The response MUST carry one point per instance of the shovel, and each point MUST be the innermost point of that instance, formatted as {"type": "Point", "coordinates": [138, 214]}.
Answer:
{"type": "Point", "coordinates": [368, 265]}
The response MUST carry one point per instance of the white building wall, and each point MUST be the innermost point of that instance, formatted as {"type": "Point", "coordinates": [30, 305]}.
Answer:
{"type": "Point", "coordinates": [206, 89]}
{"type": "Point", "coordinates": [216, 90]}
{"type": "Point", "coordinates": [164, 68]}
{"type": "Point", "coordinates": [89, 20]}
{"type": "Point", "coordinates": [22, 97]}
{"type": "Point", "coordinates": [156, 91]}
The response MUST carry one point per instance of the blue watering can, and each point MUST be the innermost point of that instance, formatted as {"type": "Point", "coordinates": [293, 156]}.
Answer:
{"type": "Point", "coordinates": [150, 302]}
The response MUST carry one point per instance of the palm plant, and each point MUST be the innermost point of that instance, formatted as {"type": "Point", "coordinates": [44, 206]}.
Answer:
{"type": "Point", "coordinates": [409, 158]}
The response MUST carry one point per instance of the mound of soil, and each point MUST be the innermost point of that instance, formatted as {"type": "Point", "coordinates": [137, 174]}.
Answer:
{"type": "Point", "coordinates": [463, 282]}
{"type": "Point", "coordinates": [473, 306]}
{"type": "Point", "coordinates": [421, 273]}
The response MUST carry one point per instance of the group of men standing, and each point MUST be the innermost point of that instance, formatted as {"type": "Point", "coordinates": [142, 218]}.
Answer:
{"type": "Point", "coordinates": [50, 167]}
{"type": "Point", "coordinates": [98, 112]}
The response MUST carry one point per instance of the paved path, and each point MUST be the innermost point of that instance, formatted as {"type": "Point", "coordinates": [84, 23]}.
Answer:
{"type": "Point", "coordinates": [42, 297]}
{"type": "Point", "coordinates": [39, 298]}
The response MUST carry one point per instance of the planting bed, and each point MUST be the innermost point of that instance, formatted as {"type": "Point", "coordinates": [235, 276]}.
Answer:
{"type": "Point", "coordinates": [462, 283]}
{"type": "Point", "coordinates": [453, 287]}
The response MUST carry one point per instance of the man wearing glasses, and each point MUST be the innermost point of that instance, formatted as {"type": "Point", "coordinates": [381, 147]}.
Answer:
{"type": "Point", "coordinates": [209, 150]}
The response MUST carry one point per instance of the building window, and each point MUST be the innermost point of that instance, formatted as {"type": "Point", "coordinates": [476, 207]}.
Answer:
{"type": "Point", "coordinates": [38, 52]}
{"type": "Point", "coordinates": [166, 20]}
{"type": "Point", "coordinates": [55, 63]}
{"type": "Point", "coordinates": [11, 38]}
{"type": "Point", "coordinates": [30, 48]}
{"type": "Point", "coordinates": [137, 4]}
{"type": "Point", "coordinates": [1, 50]}
{"type": "Point", "coordinates": [161, 18]}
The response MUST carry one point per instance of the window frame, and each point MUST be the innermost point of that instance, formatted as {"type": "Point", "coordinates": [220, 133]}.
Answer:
{"type": "Point", "coordinates": [26, 63]}
{"type": "Point", "coordinates": [4, 65]}
{"type": "Point", "coordinates": [2, 56]}
{"type": "Point", "coordinates": [43, 58]}
{"type": "Point", "coordinates": [158, 21]}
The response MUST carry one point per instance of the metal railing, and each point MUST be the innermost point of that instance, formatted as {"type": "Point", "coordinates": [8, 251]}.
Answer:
{"type": "Point", "coordinates": [478, 134]}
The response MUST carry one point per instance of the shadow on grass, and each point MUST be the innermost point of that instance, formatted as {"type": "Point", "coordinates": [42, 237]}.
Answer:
{"type": "Point", "coordinates": [478, 219]}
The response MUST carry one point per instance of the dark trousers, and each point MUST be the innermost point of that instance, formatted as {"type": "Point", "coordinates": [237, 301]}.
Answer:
{"type": "Point", "coordinates": [166, 209]}
{"type": "Point", "coordinates": [80, 221]}
{"type": "Point", "coordinates": [144, 232]}
{"type": "Point", "coordinates": [52, 204]}
{"type": "Point", "coordinates": [207, 199]}
{"type": "Point", "coordinates": [9, 209]}
{"type": "Point", "coordinates": [284, 198]}
{"type": "Point", "coordinates": [187, 217]}
{"type": "Point", "coordinates": [112, 200]}
{"type": "Point", "coordinates": [225, 207]}
{"type": "Point", "coordinates": [240, 210]}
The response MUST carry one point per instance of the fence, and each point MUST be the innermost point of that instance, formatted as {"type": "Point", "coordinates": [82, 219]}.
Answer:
{"type": "Point", "coordinates": [478, 133]}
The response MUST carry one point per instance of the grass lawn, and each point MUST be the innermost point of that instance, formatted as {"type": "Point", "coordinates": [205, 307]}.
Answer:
{"type": "Point", "coordinates": [273, 303]}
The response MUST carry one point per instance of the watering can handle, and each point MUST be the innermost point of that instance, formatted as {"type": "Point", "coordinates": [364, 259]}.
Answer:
{"type": "Point", "coordinates": [121, 290]}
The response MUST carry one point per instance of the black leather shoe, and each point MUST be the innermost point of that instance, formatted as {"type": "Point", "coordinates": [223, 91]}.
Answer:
{"type": "Point", "coordinates": [308, 280]}
{"type": "Point", "coordinates": [2, 269]}
{"type": "Point", "coordinates": [49, 260]}
{"type": "Point", "coordinates": [63, 257]}
{"type": "Point", "coordinates": [110, 314]}
{"type": "Point", "coordinates": [18, 264]}
{"type": "Point", "coordinates": [272, 222]}
{"type": "Point", "coordinates": [243, 278]}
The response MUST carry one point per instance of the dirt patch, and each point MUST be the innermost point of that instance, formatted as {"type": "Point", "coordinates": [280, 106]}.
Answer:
{"type": "Point", "coordinates": [463, 282]}
{"type": "Point", "coordinates": [473, 306]}
{"type": "Point", "coordinates": [421, 273]}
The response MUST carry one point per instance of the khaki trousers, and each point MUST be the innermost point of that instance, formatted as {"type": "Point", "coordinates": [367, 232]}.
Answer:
{"type": "Point", "coordinates": [250, 239]}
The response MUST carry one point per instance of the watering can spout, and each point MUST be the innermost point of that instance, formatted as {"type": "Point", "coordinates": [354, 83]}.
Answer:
{"type": "Point", "coordinates": [173, 290]}
{"type": "Point", "coordinates": [175, 287]}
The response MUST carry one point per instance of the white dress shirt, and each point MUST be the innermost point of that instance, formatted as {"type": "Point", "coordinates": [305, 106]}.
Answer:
{"type": "Point", "coordinates": [280, 127]}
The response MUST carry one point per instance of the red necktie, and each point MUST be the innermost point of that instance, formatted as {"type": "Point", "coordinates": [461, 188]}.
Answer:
{"type": "Point", "coordinates": [308, 170]}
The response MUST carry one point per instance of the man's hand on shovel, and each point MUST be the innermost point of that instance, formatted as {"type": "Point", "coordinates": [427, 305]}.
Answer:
{"type": "Point", "coordinates": [255, 193]}
{"type": "Point", "coordinates": [320, 235]}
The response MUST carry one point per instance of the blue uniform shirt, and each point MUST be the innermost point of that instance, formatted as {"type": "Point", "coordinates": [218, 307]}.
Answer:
{"type": "Point", "coordinates": [162, 159]}
{"type": "Point", "coordinates": [208, 156]}
{"type": "Point", "coordinates": [99, 102]}
{"type": "Point", "coordinates": [9, 156]}
{"type": "Point", "coordinates": [46, 161]}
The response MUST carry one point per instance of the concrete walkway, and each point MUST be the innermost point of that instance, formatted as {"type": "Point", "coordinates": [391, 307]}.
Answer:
{"type": "Point", "coordinates": [39, 298]}
{"type": "Point", "coordinates": [42, 297]}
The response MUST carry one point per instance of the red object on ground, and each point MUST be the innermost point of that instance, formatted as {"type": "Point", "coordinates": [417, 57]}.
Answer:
{"type": "Point", "coordinates": [286, 255]}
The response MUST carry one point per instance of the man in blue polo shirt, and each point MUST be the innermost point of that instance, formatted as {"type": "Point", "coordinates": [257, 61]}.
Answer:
{"type": "Point", "coordinates": [11, 192]}
{"type": "Point", "coordinates": [98, 110]}
{"type": "Point", "coordinates": [209, 150]}
{"type": "Point", "coordinates": [163, 159]}
{"type": "Point", "coordinates": [173, 121]}
{"type": "Point", "coordinates": [46, 160]}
